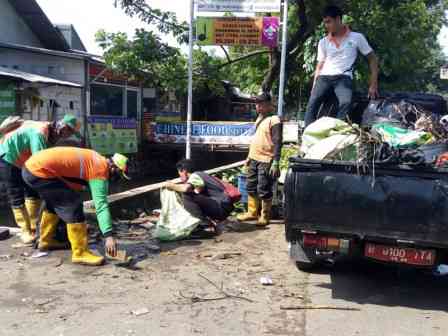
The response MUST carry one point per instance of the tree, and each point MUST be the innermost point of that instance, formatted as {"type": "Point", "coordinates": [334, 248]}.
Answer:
{"type": "Point", "coordinates": [145, 58]}
{"type": "Point", "coordinates": [403, 34]}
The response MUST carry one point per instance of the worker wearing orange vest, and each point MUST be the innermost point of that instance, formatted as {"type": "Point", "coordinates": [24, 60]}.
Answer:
{"type": "Point", "coordinates": [262, 164]}
{"type": "Point", "coordinates": [58, 175]}
{"type": "Point", "coordinates": [17, 146]}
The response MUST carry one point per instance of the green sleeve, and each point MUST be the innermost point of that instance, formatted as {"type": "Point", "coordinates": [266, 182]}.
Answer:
{"type": "Point", "coordinates": [99, 190]}
{"type": "Point", "coordinates": [38, 143]}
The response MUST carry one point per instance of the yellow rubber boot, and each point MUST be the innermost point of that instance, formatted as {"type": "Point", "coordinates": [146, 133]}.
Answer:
{"type": "Point", "coordinates": [265, 218]}
{"type": "Point", "coordinates": [32, 205]}
{"type": "Point", "coordinates": [23, 221]}
{"type": "Point", "coordinates": [77, 234]}
{"type": "Point", "coordinates": [253, 206]}
{"type": "Point", "coordinates": [48, 226]}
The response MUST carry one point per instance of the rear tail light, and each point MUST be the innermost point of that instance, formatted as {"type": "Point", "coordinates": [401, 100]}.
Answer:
{"type": "Point", "coordinates": [326, 243]}
{"type": "Point", "coordinates": [315, 241]}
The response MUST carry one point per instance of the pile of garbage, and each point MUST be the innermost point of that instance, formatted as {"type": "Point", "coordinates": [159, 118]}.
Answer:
{"type": "Point", "coordinates": [393, 131]}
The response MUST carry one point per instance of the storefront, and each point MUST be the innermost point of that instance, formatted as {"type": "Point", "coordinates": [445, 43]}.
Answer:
{"type": "Point", "coordinates": [115, 112]}
{"type": "Point", "coordinates": [37, 97]}
{"type": "Point", "coordinates": [7, 99]}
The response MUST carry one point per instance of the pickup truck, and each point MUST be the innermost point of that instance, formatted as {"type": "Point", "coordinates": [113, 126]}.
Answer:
{"type": "Point", "coordinates": [392, 214]}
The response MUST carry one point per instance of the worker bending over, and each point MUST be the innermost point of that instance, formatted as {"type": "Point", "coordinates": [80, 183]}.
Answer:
{"type": "Point", "coordinates": [59, 175]}
{"type": "Point", "coordinates": [16, 147]}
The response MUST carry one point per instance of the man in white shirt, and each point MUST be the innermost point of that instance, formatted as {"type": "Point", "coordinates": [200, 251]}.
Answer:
{"type": "Point", "coordinates": [336, 56]}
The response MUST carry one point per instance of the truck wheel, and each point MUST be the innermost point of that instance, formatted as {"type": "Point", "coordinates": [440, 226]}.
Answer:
{"type": "Point", "coordinates": [305, 258]}
{"type": "Point", "coordinates": [307, 266]}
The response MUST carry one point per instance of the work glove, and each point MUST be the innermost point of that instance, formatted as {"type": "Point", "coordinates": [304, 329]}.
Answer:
{"type": "Point", "coordinates": [245, 169]}
{"type": "Point", "coordinates": [275, 170]}
{"type": "Point", "coordinates": [111, 246]}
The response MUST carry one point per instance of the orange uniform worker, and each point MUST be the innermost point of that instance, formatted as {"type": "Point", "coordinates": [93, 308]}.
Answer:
{"type": "Point", "coordinates": [262, 163]}
{"type": "Point", "coordinates": [16, 147]}
{"type": "Point", "coordinates": [58, 175]}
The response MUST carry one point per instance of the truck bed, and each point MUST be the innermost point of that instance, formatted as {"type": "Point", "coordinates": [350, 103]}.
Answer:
{"type": "Point", "coordinates": [381, 202]}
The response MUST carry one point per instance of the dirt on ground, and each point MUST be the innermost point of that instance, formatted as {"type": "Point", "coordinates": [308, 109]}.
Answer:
{"type": "Point", "coordinates": [213, 287]}
{"type": "Point", "coordinates": [191, 287]}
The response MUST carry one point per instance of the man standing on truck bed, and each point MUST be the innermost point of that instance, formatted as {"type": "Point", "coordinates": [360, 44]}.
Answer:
{"type": "Point", "coordinates": [336, 57]}
{"type": "Point", "coordinates": [263, 162]}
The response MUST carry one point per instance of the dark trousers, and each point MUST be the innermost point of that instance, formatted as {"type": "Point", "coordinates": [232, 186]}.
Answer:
{"type": "Point", "coordinates": [259, 181]}
{"type": "Point", "coordinates": [203, 206]}
{"type": "Point", "coordinates": [16, 188]}
{"type": "Point", "coordinates": [58, 197]}
{"type": "Point", "coordinates": [343, 88]}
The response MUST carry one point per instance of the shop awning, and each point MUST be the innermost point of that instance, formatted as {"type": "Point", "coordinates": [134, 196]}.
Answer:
{"type": "Point", "coordinates": [32, 78]}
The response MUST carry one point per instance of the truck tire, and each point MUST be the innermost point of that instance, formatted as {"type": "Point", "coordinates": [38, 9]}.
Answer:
{"type": "Point", "coordinates": [305, 258]}
{"type": "Point", "coordinates": [307, 266]}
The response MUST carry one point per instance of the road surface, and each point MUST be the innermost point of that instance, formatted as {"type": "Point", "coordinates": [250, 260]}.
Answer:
{"type": "Point", "coordinates": [212, 287]}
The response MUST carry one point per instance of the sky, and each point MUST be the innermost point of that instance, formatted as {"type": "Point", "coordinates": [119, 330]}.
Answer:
{"type": "Point", "coordinates": [89, 16]}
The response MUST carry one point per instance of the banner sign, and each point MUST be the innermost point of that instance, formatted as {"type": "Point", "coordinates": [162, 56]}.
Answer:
{"type": "Point", "coordinates": [219, 133]}
{"type": "Point", "coordinates": [247, 6]}
{"type": "Point", "coordinates": [238, 31]}
{"type": "Point", "coordinates": [7, 100]}
{"type": "Point", "coordinates": [204, 133]}
{"type": "Point", "coordinates": [109, 135]}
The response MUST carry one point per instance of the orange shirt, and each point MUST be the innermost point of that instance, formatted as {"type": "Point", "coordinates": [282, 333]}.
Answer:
{"type": "Point", "coordinates": [69, 164]}
{"type": "Point", "coordinates": [262, 147]}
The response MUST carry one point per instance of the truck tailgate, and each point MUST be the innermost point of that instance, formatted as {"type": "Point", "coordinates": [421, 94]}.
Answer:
{"type": "Point", "coordinates": [385, 202]}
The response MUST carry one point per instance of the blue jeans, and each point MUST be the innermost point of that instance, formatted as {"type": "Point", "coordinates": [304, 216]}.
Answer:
{"type": "Point", "coordinates": [343, 88]}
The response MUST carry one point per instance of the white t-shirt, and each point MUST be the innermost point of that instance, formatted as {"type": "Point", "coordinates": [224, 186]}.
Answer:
{"type": "Point", "coordinates": [340, 61]}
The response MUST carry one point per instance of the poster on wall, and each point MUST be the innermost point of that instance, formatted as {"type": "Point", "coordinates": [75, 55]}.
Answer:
{"type": "Point", "coordinates": [238, 31]}
{"type": "Point", "coordinates": [7, 100]}
{"type": "Point", "coordinates": [109, 135]}
{"type": "Point", "coordinates": [217, 133]}
{"type": "Point", "coordinates": [247, 6]}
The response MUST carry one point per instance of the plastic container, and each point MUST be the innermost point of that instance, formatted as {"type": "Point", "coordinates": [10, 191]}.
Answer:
{"type": "Point", "coordinates": [242, 183]}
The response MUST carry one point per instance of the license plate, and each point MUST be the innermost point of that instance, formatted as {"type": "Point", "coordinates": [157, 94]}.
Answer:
{"type": "Point", "coordinates": [400, 254]}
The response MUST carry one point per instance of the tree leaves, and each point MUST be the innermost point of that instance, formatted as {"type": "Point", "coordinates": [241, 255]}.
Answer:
{"type": "Point", "coordinates": [403, 34]}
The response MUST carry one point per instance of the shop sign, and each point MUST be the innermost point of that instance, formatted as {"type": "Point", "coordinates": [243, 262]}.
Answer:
{"type": "Point", "coordinates": [247, 6]}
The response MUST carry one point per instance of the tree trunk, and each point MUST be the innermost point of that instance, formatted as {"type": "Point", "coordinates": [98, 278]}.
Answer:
{"type": "Point", "coordinates": [273, 72]}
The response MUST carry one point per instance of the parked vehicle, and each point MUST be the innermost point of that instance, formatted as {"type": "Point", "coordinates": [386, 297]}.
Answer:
{"type": "Point", "coordinates": [387, 214]}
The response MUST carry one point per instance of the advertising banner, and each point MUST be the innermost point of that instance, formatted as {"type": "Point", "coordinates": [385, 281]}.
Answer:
{"type": "Point", "coordinates": [247, 6]}
{"type": "Point", "coordinates": [237, 31]}
{"type": "Point", "coordinates": [204, 133]}
{"type": "Point", "coordinates": [219, 133]}
{"type": "Point", "coordinates": [109, 135]}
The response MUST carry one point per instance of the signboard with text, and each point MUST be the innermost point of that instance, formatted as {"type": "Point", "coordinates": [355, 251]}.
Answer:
{"type": "Point", "coordinates": [109, 135]}
{"type": "Point", "coordinates": [238, 31]}
{"type": "Point", "coordinates": [247, 6]}
{"type": "Point", "coordinates": [217, 133]}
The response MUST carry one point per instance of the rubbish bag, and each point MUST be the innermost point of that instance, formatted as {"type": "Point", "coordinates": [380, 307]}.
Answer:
{"type": "Point", "coordinates": [432, 151]}
{"type": "Point", "coordinates": [330, 138]}
{"type": "Point", "coordinates": [386, 154]}
{"type": "Point", "coordinates": [403, 109]}
{"type": "Point", "coordinates": [380, 111]}
{"type": "Point", "coordinates": [401, 137]}
{"type": "Point", "coordinates": [174, 222]}
{"type": "Point", "coordinates": [338, 146]}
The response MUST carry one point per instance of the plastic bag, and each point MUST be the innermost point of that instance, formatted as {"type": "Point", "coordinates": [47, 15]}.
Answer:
{"type": "Point", "coordinates": [401, 137]}
{"type": "Point", "coordinates": [339, 146]}
{"type": "Point", "coordinates": [403, 109]}
{"type": "Point", "coordinates": [329, 138]}
{"type": "Point", "coordinates": [174, 222]}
